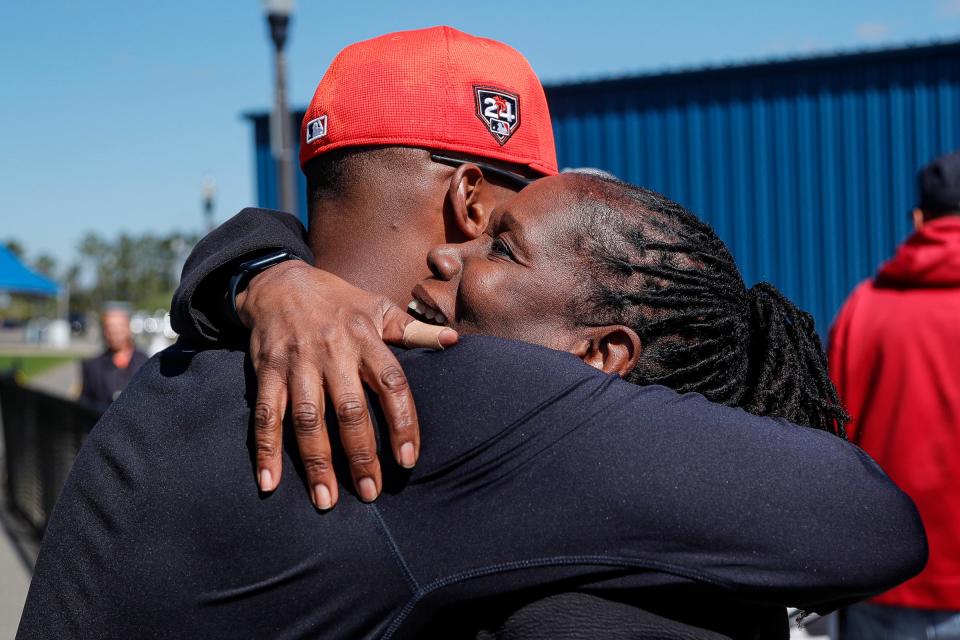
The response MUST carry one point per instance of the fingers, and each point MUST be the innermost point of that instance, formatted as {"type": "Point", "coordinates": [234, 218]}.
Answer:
{"type": "Point", "coordinates": [268, 418]}
{"type": "Point", "coordinates": [356, 432]}
{"type": "Point", "coordinates": [401, 330]}
{"type": "Point", "coordinates": [420, 334]}
{"type": "Point", "coordinates": [325, 336]}
{"type": "Point", "coordinates": [381, 371]}
{"type": "Point", "coordinates": [307, 416]}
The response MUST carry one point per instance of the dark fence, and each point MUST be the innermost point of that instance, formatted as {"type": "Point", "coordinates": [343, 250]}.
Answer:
{"type": "Point", "coordinates": [42, 435]}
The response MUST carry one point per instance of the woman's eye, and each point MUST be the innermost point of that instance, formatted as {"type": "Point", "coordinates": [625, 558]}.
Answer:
{"type": "Point", "coordinates": [500, 248]}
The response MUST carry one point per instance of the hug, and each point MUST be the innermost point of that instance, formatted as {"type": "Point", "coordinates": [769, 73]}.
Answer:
{"type": "Point", "coordinates": [620, 438]}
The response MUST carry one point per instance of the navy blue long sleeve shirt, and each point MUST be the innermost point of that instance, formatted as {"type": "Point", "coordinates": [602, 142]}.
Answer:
{"type": "Point", "coordinates": [198, 313]}
{"type": "Point", "coordinates": [536, 471]}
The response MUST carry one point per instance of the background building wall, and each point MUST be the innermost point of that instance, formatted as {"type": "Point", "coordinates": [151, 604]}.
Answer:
{"type": "Point", "coordinates": [265, 166]}
{"type": "Point", "coordinates": [806, 168]}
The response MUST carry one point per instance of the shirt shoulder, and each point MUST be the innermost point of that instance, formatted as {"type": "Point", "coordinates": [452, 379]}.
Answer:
{"type": "Point", "coordinates": [486, 392]}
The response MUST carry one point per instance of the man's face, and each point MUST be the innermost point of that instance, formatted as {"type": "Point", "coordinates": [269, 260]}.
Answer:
{"type": "Point", "coordinates": [116, 330]}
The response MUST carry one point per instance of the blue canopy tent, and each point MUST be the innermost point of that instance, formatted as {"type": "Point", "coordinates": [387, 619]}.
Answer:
{"type": "Point", "coordinates": [16, 278]}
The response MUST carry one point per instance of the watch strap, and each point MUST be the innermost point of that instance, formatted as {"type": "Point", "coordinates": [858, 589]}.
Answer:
{"type": "Point", "coordinates": [246, 272]}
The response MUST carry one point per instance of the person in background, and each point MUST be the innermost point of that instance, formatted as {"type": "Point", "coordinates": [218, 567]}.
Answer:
{"type": "Point", "coordinates": [106, 375]}
{"type": "Point", "coordinates": [895, 359]}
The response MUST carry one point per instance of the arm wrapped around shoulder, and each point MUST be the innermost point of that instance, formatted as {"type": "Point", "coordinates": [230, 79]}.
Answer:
{"type": "Point", "coordinates": [880, 542]}
{"type": "Point", "coordinates": [759, 508]}
{"type": "Point", "coordinates": [197, 310]}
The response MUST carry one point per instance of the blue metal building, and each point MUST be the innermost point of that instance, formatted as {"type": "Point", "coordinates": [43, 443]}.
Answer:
{"type": "Point", "coordinates": [805, 167]}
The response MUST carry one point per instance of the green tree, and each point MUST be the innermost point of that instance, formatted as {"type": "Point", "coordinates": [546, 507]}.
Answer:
{"type": "Point", "coordinates": [15, 248]}
{"type": "Point", "coordinates": [46, 264]}
{"type": "Point", "coordinates": [140, 269]}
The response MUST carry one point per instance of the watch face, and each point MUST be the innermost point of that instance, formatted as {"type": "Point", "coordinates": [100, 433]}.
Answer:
{"type": "Point", "coordinates": [246, 271]}
{"type": "Point", "coordinates": [261, 263]}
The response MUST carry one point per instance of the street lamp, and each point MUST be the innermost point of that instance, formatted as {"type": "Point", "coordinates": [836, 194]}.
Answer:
{"type": "Point", "coordinates": [278, 17]}
{"type": "Point", "coordinates": [208, 193]}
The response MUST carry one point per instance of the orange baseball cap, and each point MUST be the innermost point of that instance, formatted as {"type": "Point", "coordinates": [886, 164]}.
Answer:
{"type": "Point", "coordinates": [436, 88]}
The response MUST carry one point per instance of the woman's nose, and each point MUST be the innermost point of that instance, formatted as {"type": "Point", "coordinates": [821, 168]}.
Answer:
{"type": "Point", "coordinates": [444, 261]}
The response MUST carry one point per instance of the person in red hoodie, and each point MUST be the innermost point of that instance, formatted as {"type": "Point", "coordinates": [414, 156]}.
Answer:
{"type": "Point", "coordinates": [894, 357]}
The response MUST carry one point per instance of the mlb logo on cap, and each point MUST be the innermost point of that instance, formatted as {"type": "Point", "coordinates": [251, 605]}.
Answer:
{"type": "Point", "coordinates": [499, 110]}
{"type": "Point", "coordinates": [316, 129]}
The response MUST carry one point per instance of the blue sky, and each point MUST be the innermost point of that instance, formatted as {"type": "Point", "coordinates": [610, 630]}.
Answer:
{"type": "Point", "coordinates": [112, 113]}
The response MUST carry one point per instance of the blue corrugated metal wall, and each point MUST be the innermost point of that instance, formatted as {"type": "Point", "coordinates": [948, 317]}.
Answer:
{"type": "Point", "coordinates": [805, 168]}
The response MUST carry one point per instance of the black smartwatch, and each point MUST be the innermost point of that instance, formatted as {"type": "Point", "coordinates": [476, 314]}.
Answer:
{"type": "Point", "coordinates": [247, 270]}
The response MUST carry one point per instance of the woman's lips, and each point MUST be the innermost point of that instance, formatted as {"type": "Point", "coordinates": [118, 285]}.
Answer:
{"type": "Point", "coordinates": [425, 308]}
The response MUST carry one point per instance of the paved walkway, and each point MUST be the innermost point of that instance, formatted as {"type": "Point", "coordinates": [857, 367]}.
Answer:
{"type": "Point", "coordinates": [63, 380]}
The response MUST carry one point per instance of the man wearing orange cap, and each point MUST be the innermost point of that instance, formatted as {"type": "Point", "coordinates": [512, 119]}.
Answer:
{"type": "Point", "coordinates": [160, 532]}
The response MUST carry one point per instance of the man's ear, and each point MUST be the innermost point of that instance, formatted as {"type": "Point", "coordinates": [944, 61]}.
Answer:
{"type": "Point", "coordinates": [472, 200]}
{"type": "Point", "coordinates": [611, 349]}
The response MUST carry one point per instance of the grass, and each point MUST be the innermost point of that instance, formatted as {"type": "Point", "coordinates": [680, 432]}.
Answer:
{"type": "Point", "coordinates": [30, 366]}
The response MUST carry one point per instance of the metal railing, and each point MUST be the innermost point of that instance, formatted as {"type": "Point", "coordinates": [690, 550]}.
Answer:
{"type": "Point", "coordinates": [42, 435]}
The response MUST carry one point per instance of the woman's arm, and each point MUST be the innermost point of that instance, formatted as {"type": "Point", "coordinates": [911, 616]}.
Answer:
{"type": "Point", "coordinates": [310, 335]}
{"type": "Point", "coordinates": [535, 457]}
{"type": "Point", "coordinates": [198, 312]}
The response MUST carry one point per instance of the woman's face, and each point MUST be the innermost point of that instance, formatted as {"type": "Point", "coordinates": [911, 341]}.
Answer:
{"type": "Point", "coordinates": [516, 281]}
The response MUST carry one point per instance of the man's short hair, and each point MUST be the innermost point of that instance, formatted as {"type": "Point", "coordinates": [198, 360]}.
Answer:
{"type": "Point", "coordinates": [939, 187]}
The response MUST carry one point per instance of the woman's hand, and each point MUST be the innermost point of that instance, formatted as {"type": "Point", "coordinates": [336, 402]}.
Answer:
{"type": "Point", "coordinates": [314, 335]}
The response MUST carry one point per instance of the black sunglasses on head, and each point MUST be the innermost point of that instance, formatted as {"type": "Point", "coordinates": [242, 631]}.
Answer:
{"type": "Point", "coordinates": [514, 179]}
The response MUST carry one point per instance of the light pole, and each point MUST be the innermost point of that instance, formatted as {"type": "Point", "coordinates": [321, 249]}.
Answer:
{"type": "Point", "coordinates": [278, 17]}
{"type": "Point", "coordinates": [208, 194]}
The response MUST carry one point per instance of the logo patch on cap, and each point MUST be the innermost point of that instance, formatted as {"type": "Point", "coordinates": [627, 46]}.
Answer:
{"type": "Point", "coordinates": [499, 110]}
{"type": "Point", "coordinates": [316, 129]}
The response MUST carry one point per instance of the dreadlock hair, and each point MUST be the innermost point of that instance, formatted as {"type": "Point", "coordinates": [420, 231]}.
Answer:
{"type": "Point", "coordinates": [660, 270]}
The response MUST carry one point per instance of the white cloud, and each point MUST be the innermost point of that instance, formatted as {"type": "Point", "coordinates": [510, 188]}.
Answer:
{"type": "Point", "coordinates": [872, 31]}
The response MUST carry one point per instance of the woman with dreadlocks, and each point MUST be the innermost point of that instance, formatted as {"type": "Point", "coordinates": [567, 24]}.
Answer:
{"type": "Point", "coordinates": [634, 284]}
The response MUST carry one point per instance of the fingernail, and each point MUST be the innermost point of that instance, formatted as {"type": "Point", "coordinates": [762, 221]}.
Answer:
{"type": "Point", "coordinates": [448, 338]}
{"type": "Point", "coordinates": [408, 456]}
{"type": "Point", "coordinates": [368, 489]}
{"type": "Point", "coordinates": [321, 497]}
{"type": "Point", "coordinates": [266, 480]}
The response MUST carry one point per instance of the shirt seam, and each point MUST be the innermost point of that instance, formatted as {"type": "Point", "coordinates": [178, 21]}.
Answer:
{"type": "Point", "coordinates": [395, 550]}
{"type": "Point", "coordinates": [541, 563]}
